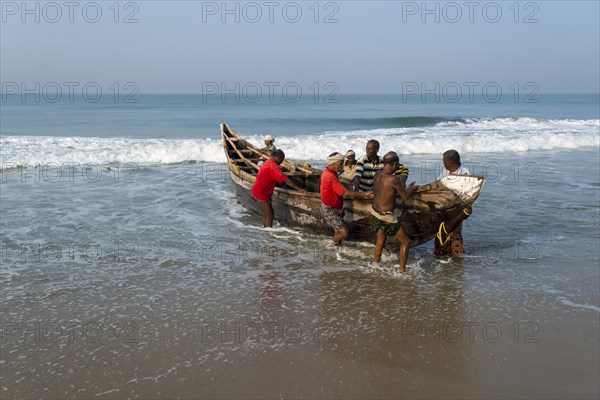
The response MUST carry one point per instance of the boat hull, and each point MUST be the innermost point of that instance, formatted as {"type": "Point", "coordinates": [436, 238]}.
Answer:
{"type": "Point", "coordinates": [447, 200]}
{"type": "Point", "coordinates": [292, 209]}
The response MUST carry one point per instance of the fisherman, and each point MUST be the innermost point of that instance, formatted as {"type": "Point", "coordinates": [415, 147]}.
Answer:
{"type": "Point", "coordinates": [385, 188]}
{"type": "Point", "coordinates": [332, 197]}
{"type": "Point", "coordinates": [451, 242]}
{"type": "Point", "coordinates": [269, 146]}
{"type": "Point", "coordinates": [369, 164]}
{"type": "Point", "coordinates": [349, 166]}
{"type": "Point", "coordinates": [452, 165]}
{"type": "Point", "coordinates": [268, 176]}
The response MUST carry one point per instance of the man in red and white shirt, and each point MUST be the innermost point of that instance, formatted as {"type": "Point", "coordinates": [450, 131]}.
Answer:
{"type": "Point", "coordinates": [268, 176]}
{"type": "Point", "coordinates": [332, 197]}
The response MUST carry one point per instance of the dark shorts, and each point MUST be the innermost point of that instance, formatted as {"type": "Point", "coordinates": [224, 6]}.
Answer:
{"type": "Point", "coordinates": [334, 217]}
{"type": "Point", "coordinates": [259, 201]}
{"type": "Point", "coordinates": [389, 228]}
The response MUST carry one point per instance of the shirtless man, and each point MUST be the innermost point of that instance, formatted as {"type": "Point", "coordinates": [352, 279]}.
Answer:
{"type": "Point", "coordinates": [385, 189]}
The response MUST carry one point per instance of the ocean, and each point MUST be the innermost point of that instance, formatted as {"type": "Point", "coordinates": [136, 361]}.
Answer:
{"type": "Point", "coordinates": [129, 268]}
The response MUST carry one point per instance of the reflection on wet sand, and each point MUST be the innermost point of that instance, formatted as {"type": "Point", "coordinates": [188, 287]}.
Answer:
{"type": "Point", "coordinates": [400, 324]}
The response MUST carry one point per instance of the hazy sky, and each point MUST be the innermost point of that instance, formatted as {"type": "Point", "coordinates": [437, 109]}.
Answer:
{"type": "Point", "coordinates": [362, 47]}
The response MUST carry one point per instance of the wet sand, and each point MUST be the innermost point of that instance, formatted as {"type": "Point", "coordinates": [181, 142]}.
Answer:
{"type": "Point", "coordinates": [208, 305]}
{"type": "Point", "coordinates": [421, 339]}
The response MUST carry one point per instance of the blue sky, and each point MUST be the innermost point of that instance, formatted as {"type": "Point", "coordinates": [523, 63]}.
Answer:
{"type": "Point", "coordinates": [367, 47]}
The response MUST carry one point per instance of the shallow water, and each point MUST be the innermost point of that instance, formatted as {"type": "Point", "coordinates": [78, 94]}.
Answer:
{"type": "Point", "coordinates": [157, 283]}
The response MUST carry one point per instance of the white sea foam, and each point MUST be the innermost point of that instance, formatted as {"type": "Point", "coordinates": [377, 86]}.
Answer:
{"type": "Point", "coordinates": [493, 135]}
{"type": "Point", "coordinates": [590, 307]}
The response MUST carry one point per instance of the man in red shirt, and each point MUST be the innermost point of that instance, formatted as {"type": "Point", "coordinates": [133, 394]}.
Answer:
{"type": "Point", "coordinates": [332, 197]}
{"type": "Point", "coordinates": [268, 176]}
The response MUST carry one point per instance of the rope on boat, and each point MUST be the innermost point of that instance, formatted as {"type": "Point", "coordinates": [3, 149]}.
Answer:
{"type": "Point", "coordinates": [439, 234]}
{"type": "Point", "coordinates": [443, 227]}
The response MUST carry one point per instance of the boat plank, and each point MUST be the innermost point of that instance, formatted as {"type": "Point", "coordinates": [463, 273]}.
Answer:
{"type": "Point", "coordinates": [420, 216]}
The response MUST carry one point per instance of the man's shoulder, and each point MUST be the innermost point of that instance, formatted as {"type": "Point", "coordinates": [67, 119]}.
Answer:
{"type": "Point", "coordinates": [328, 174]}
{"type": "Point", "coordinates": [381, 176]}
{"type": "Point", "coordinates": [270, 163]}
{"type": "Point", "coordinates": [272, 166]}
{"type": "Point", "coordinates": [362, 159]}
{"type": "Point", "coordinates": [386, 176]}
{"type": "Point", "coordinates": [388, 180]}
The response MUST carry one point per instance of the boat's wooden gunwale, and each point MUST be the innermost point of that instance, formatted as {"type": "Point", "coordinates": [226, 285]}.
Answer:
{"type": "Point", "coordinates": [420, 216]}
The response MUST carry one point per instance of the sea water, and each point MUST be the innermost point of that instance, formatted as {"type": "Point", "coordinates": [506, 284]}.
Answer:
{"type": "Point", "coordinates": [129, 268]}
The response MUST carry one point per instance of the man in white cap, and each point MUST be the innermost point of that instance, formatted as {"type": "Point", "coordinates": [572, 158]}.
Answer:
{"type": "Point", "coordinates": [332, 197]}
{"type": "Point", "coordinates": [269, 146]}
{"type": "Point", "coordinates": [349, 166]}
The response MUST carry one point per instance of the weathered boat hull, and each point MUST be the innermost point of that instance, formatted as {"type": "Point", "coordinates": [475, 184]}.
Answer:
{"type": "Point", "coordinates": [445, 200]}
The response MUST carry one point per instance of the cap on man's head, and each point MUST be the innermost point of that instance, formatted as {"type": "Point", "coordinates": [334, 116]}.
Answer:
{"type": "Point", "coordinates": [334, 157]}
{"type": "Point", "coordinates": [269, 138]}
{"type": "Point", "coordinates": [350, 153]}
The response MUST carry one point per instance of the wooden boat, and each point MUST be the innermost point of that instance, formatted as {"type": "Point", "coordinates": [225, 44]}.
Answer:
{"type": "Point", "coordinates": [445, 201]}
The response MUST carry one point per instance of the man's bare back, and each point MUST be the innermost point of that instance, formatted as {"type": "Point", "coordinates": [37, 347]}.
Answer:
{"type": "Point", "coordinates": [385, 189]}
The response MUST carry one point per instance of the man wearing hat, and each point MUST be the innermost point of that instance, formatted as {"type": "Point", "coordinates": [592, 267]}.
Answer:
{"type": "Point", "coordinates": [269, 146]}
{"type": "Point", "coordinates": [349, 166]}
{"type": "Point", "coordinates": [332, 197]}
